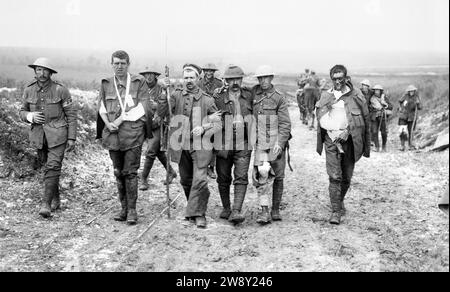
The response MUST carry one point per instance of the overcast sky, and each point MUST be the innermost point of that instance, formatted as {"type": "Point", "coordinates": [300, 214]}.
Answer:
{"type": "Point", "coordinates": [228, 27]}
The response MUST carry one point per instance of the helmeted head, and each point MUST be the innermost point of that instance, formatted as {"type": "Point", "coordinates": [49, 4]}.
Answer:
{"type": "Point", "coordinates": [411, 90]}
{"type": "Point", "coordinates": [43, 69]}
{"type": "Point", "coordinates": [338, 75]}
{"type": "Point", "coordinates": [378, 90]}
{"type": "Point", "coordinates": [265, 75]}
{"type": "Point", "coordinates": [209, 70]}
{"type": "Point", "coordinates": [151, 74]}
{"type": "Point", "coordinates": [191, 75]}
{"type": "Point", "coordinates": [365, 86]}
{"type": "Point", "coordinates": [120, 61]}
{"type": "Point", "coordinates": [233, 76]}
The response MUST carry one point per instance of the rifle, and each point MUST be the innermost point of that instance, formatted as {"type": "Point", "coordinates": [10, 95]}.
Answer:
{"type": "Point", "coordinates": [169, 118]}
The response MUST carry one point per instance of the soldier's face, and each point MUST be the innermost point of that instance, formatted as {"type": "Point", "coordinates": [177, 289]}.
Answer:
{"type": "Point", "coordinates": [411, 93]}
{"type": "Point", "coordinates": [190, 79]}
{"type": "Point", "coordinates": [234, 83]}
{"type": "Point", "coordinates": [209, 74]}
{"type": "Point", "coordinates": [265, 82]}
{"type": "Point", "coordinates": [338, 81]}
{"type": "Point", "coordinates": [42, 74]}
{"type": "Point", "coordinates": [377, 92]}
{"type": "Point", "coordinates": [120, 67]}
{"type": "Point", "coordinates": [365, 89]}
{"type": "Point", "coordinates": [150, 77]}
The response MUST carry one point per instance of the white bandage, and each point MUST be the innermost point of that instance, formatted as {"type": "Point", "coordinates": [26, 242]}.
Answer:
{"type": "Point", "coordinates": [102, 109]}
{"type": "Point", "coordinates": [135, 113]}
{"type": "Point", "coordinates": [30, 117]}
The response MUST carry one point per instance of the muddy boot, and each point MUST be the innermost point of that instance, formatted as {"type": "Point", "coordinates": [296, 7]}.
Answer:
{"type": "Point", "coordinates": [384, 142]}
{"type": "Point", "coordinates": [264, 216]}
{"type": "Point", "coordinates": [278, 186]}
{"type": "Point", "coordinates": [49, 192]}
{"type": "Point", "coordinates": [336, 204]}
{"type": "Point", "coordinates": [225, 198]}
{"type": "Point", "coordinates": [122, 215]}
{"type": "Point", "coordinates": [145, 172]}
{"type": "Point", "coordinates": [200, 222]}
{"type": "Point", "coordinates": [236, 216]}
{"type": "Point", "coordinates": [56, 202]}
{"type": "Point", "coordinates": [132, 194]}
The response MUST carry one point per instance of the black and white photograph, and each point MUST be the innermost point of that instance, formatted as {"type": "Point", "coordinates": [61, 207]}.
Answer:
{"type": "Point", "coordinates": [235, 139]}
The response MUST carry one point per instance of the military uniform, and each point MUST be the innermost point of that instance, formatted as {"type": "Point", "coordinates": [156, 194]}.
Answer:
{"type": "Point", "coordinates": [153, 94]}
{"type": "Point", "coordinates": [302, 106]}
{"type": "Point", "coordinates": [50, 138]}
{"type": "Point", "coordinates": [125, 145]}
{"type": "Point", "coordinates": [233, 149]}
{"type": "Point", "coordinates": [378, 118]}
{"type": "Point", "coordinates": [310, 98]}
{"type": "Point", "coordinates": [190, 108]}
{"type": "Point", "coordinates": [340, 165]}
{"type": "Point", "coordinates": [270, 109]}
{"type": "Point", "coordinates": [409, 105]}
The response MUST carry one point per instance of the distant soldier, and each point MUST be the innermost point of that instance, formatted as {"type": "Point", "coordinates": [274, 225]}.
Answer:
{"type": "Point", "coordinates": [209, 83]}
{"type": "Point", "coordinates": [344, 128]}
{"type": "Point", "coordinates": [47, 106]}
{"type": "Point", "coordinates": [124, 123]}
{"type": "Point", "coordinates": [366, 89]}
{"type": "Point", "coordinates": [311, 97]}
{"type": "Point", "coordinates": [380, 110]}
{"type": "Point", "coordinates": [302, 105]}
{"type": "Point", "coordinates": [273, 127]}
{"type": "Point", "coordinates": [154, 93]}
{"type": "Point", "coordinates": [409, 106]}
{"type": "Point", "coordinates": [194, 116]}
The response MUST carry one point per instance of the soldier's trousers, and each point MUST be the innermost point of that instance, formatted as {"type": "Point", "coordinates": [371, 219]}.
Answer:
{"type": "Point", "coordinates": [241, 161]}
{"type": "Point", "coordinates": [339, 169]}
{"type": "Point", "coordinates": [154, 151]}
{"type": "Point", "coordinates": [51, 159]}
{"type": "Point", "coordinates": [264, 186]}
{"type": "Point", "coordinates": [379, 123]}
{"type": "Point", "coordinates": [195, 184]}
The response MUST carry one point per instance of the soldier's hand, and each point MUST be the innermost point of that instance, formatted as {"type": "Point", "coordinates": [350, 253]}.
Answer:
{"type": "Point", "coordinates": [215, 117]}
{"type": "Point", "coordinates": [38, 118]}
{"type": "Point", "coordinates": [166, 82]}
{"type": "Point", "coordinates": [277, 150]}
{"type": "Point", "coordinates": [70, 146]}
{"type": "Point", "coordinates": [198, 131]}
{"type": "Point", "coordinates": [112, 127]}
{"type": "Point", "coordinates": [342, 137]}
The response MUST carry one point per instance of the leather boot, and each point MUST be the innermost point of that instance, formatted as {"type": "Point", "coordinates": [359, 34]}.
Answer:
{"type": "Point", "coordinates": [56, 202]}
{"type": "Point", "coordinates": [145, 172]}
{"type": "Point", "coordinates": [278, 186]}
{"type": "Point", "coordinates": [132, 195]}
{"type": "Point", "coordinates": [122, 215]}
{"type": "Point", "coordinates": [264, 216]}
{"type": "Point", "coordinates": [384, 142]}
{"type": "Point", "coordinates": [49, 192]}
{"type": "Point", "coordinates": [336, 205]}
{"type": "Point", "coordinates": [224, 192]}
{"type": "Point", "coordinates": [236, 216]}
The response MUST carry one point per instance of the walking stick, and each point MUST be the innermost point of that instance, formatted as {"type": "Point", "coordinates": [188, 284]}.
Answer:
{"type": "Point", "coordinates": [413, 125]}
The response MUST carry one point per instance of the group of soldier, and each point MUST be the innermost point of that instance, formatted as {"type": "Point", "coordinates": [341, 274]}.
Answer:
{"type": "Point", "coordinates": [204, 124]}
{"type": "Point", "coordinates": [379, 105]}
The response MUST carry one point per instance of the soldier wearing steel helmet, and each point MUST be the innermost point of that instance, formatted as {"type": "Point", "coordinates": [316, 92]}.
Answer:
{"type": "Point", "coordinates": [380, 109]}
{"type": "Point", "coordinates": [410, 104]}
{"type": "Point", "coordinates": [209, 83]}
{"type": "Point", "coordinates": [235, 104]}
{"type": "Point", "coordinates": [311, 97]}
{"type": "Point", "coordinates": [153, 94]}
{"type": "Point", "coordinates": [273, 131]}
{"type": "Point", "coordinates": [48, 107]}
{"type": "Point", "coordinates": [366, 89]}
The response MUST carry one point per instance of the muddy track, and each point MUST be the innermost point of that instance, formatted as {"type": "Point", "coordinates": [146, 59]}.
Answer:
{"type": "Point", "coordinates": [392, 223]}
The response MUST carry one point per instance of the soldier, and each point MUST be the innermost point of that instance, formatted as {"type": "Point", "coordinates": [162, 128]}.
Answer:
{"type": "Point", "coordinates": [191, 108]}
{"type": "Point", "coordinates": [310, 98]}
{"type": "Point", "coordinates": [154, 150]}
{"type": "Point", "coordinates": [380, 110]}
{"type": "Point", "coordinates": [302, 105]}
{"type": "Point", "coordinates": [343, 119]}
{"type": "Point", "coordinates": [409, 106]}
{"type": "Point", "coordinates": [235, 104]}
{"type": "Point", "coordinates": [124, 122]}
{"type": "Point", "coordinates": [209, 84]}
{"type": "Point", "coordinates": [271, 113]}
{"type": "Point", "coordinates": [47, 106]}
{"type": "Point", "coordinates": [366, 90]}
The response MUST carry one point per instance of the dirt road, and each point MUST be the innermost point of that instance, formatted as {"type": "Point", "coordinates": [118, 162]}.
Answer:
{"type": "Point", "coordinates": [392, 223]}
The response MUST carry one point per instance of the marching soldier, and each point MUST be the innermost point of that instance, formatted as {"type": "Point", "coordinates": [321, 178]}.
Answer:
{"type": "Point", "coordinates": [409, 106]}
{"type": "Point", "coordinates": [366, 89]}
{"type": "Point", "coordinates": [302, 105]}
{"type": "Point", "coordinates": [344, 128]}
{"type": "Point", "coordinates": [193, 109]}
{"type": "Point", "coordinates": [47, 106]}
{"type": "Point", "coordinates": [235, 104]}
{"type": "Point", "coordinates": [380, 110]}
{"type": "Point", "coordinates": [310, 94]}
{"type": "Point", "coordinates": [154, 93]}
{"type": "Point", "coordinates": [271, 113]}
{"type": "Point", "coordinates": [209, 83]}
{"type": "Point", "coordinates": [124, 122]}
